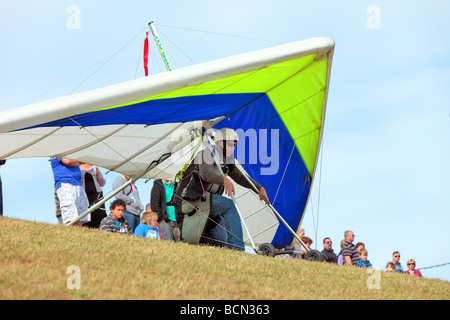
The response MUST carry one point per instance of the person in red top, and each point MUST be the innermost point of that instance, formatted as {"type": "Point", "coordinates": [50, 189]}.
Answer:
{"type": "Point", "coordinates": [411, 269]}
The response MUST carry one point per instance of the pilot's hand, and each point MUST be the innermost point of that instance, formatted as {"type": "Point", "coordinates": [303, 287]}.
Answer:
{"type": "Point", "coordinates": [263, 195]}
{"type": "Point", "coordinates": [229, 187]}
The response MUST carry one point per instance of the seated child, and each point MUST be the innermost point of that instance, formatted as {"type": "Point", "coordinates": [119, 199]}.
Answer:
{"type": "Point", "coordinates": [363, 263]}
{"type": "Point", "coordinates": [115, 222]}
{"type": "Point", "coordinates": [390, 267]}
{"type": "Point", "coordinates": [148, 227]}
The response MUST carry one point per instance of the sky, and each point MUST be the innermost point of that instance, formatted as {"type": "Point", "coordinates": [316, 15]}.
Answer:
{"type": "Point", "coordinates": [384, 168]}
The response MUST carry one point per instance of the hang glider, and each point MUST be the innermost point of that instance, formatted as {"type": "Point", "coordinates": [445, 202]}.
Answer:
{"type": "Point", "coordinates": [144, 128]}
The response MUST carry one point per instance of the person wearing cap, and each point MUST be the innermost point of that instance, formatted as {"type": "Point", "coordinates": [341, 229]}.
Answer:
{"type": "Point", "coordinates": [202, 212]}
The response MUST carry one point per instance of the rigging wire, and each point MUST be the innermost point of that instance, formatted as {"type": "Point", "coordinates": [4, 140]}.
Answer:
{"type": "Point", "coordinates": [189, 58]}
{"type": "Point", "coordinates": [139, 60]}
{"type": "Point", "coordinates": [222, 34]}
{"type": "Point", "coordinates": [431, 267]}
{"type": "Point", "coordinates": [95, 71]}
{"type": "Point", "coordinates": [61, 84]}
{"type": "Point", "coordinates": [82, 72]}
{"type": "Point", "coordinates": [316, 225]}
{"type": "Point", "coordinates": [152, 52]}
{"type": "Point", "coordinates": [125, 66]}
{"type": "Point", "coordinates": [109, 59]}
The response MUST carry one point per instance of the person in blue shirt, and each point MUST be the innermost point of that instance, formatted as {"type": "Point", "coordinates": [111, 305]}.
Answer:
{"type": "Point", "coordinates": [72, 198]}
{"type": "Point", "coordinates": [363, 263]}
{"type": "Point", "coordinates": [148, 227]}
{"type": "Point", "coordinates": [396, 261]}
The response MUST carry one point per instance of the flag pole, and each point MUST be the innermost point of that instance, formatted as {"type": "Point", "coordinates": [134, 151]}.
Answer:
{"type": "Point", "coordinates": [160, 46]}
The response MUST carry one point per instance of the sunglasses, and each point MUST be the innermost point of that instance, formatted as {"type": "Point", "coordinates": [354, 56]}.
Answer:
{"type": "Point", "coordinates": [231, 143]}
{"type": "Point", "coordinates": [411, 264]}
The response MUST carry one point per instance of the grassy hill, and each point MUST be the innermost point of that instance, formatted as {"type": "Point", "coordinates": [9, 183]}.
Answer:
{"type": "Point", "coordinates": [35, 258]}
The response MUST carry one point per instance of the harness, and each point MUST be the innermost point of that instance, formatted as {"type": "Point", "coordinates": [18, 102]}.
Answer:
{"type": "Point", "coordinates": [192, 201]}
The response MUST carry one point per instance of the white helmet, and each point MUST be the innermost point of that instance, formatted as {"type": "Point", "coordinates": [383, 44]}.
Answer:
{"type": "Point", "coordinates": [226, 134]}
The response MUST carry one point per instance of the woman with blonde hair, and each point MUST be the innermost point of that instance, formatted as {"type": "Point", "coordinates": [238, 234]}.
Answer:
{"type": "Point", "coordinates": [411, 269]}
{"type": "Point", "coordinates": [340, 256]}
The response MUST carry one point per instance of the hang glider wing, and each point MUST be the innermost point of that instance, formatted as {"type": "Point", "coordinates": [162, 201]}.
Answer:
{"type": "Point", "coordinates": [143, 128]}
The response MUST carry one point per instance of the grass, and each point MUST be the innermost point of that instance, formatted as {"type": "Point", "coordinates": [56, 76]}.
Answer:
{"type": "Point", "coordinates": [35, 258]}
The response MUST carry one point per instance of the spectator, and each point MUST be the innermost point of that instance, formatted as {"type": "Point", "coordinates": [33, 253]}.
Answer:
{"type": "Point", "coordinates": [390, 267]}
{"type": "Point", "coordinates": [297, 245]}
{"type": "Point", "coordinates": [147, 228]}
{"type": "Point", "coordinates": [130, 196]}
{"type": "Point", "coordinates": [301, 233]}
{"type": "Point", "coordinates": [396, 261]}
{"type": "Point", "coordinates": [363, 262]}
{"type": "Point", "coordinates": [93, 181]}
{"type": "Point", "coordinates": [58, 208]}
{"type": "Point", "coordinates": [161, 195]}
{"type": "Point", "coordinates": [360, 246]}
{"type": "Point", "coordinates": [72, 198]}
{"type": "Point", "coordinates": [340, 256]}
{"type": "Point", "coordinates": [351, 255]}
{"type": "Point", "coordinates": [328, 251]}
{"type": "Point", "coordinates": [411, 269]}
{"type": "Point", "coordinates": [308, 242]}
{"type": "Point", "coordinates": [115, 221]}
{"type": "Point", "coordinates": [2, 162]}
